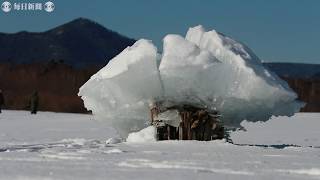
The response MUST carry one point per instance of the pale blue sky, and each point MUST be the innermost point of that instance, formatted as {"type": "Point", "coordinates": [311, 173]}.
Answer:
{"type": "Point", "coordinates": [276, 30]}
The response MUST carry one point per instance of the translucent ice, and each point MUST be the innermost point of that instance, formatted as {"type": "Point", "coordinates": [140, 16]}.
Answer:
{"type": "Point", "coordinates": [121, 91]}
{"type": "Point", "coordinates": [205, 68]}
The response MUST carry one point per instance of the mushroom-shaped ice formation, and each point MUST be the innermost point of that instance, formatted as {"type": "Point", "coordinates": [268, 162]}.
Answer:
{"type": "Point", "coordinates": [206, 68]}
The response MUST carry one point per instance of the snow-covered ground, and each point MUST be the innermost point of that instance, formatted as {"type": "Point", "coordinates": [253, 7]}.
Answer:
{"type": "Point", "coordinates": [72, 146]}
{"type": "Point", "coordinates": [303, 129]}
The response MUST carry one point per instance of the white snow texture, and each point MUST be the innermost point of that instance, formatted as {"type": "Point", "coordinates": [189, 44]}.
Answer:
{"type": "Point", "coordinates": [147, 134]}
{"type": "Point", "coordinates": [205, 68]}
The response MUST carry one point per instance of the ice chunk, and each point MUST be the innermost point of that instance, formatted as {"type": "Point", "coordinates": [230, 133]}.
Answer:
{"type": "Point", "coordinates": [120, 93]}
{"type": "Point", "coordinates": [184, 70]}
{"type": "Point", "coordinates": [249, 91]}
{"type": "Point", "coordinates": [170, 117]}
{"type": "Point", "coordinates": [206, 68]}
{"type": "Point", "coordinates": [113, 140]}
{"type": "Point", "coordinates": [145, 135]}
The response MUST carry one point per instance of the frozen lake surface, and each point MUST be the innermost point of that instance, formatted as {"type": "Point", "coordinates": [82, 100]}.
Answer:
{"type": "Point", "coordinates": [73, 146]}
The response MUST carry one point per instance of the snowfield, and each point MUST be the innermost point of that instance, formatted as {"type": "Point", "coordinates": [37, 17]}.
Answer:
{"type": "Point", "coordinates": [74, 146]}
{"type": "Point", "coordinates": [302, 129]}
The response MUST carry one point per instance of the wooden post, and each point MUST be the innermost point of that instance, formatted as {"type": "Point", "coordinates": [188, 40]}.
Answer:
{"type": "Point", "coordinates": [202, 122]}
{"type": "Point", "coordinates": [181, 131]}
{"type": "Point", "coordinates": [169, 132]}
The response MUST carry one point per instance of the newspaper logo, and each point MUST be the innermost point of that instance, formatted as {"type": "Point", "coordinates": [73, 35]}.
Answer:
{"type": "Point", "coordinates": [23, 6]}
{"type": "Point", "coordinates": [6, 6]}
{"type": "Point", "coordinates": [49, 6]}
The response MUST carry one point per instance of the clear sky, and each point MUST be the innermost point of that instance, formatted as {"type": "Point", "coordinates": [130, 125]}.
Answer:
{"type": "Point", "coordinates": [276, 30]}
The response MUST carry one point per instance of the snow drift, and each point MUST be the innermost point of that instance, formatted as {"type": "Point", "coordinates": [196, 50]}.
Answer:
{"type": "Point", "coordinates": [205, 69]}
{"type": "Point", "coordinates": [147, 134]}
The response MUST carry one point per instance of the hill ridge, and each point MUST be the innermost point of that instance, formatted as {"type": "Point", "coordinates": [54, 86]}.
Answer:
{"type": "Point", "coordinates": [79, 43]}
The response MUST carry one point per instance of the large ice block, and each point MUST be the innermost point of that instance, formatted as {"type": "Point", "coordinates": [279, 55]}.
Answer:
{"type": "Point", "coordinates": [206, 68]}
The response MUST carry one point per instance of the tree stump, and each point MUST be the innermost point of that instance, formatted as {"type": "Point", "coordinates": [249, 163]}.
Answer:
{"type": "Point", "coordinates": [186, 122]}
